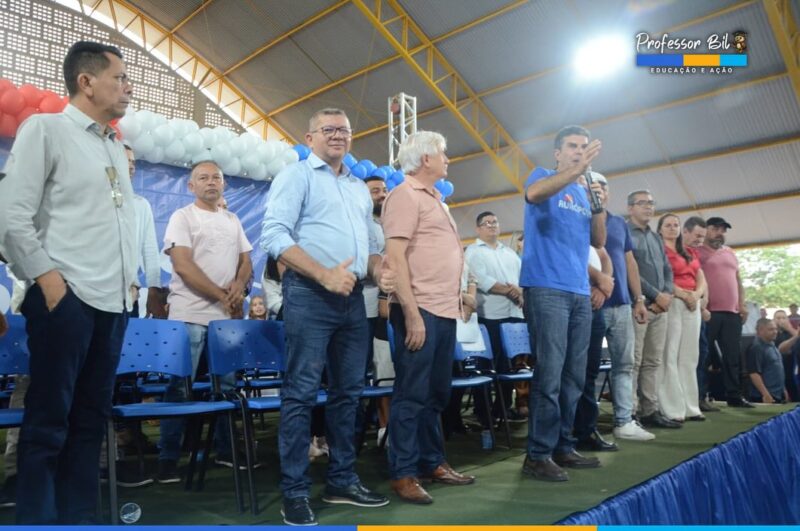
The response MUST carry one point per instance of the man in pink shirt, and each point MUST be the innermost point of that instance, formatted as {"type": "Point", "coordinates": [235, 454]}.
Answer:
{"type": "Point", "coordinates": [424, 250]}
{"type": "Point", "coordinates": [727, 306]}
{"type": "Point", "coordinates": [210, 268]}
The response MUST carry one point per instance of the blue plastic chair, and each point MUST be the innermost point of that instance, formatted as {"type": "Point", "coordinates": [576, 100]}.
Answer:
{"type": "Point", "coordinates": [239, 344]}
{"type": "Point", "coordinates": [14, 358]}
{"type": "Point", "coordinates": [476, 378]}
{"type": "Point", "coordinates": [162, 346]}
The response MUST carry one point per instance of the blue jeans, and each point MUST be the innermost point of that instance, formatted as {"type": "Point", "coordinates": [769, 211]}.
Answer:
{"type": "Point", "coordinates": [421, 393]}
{"type": "Point", "coordinates": [619, 333]}
{"type": "Point", "coordinates": [75, 350]}
{"type": "Point", "coordinates": [172, 429]}
{"type": "Point", "coordinates": [322, 328]}
{"type": "Point", "coordinates": [587, 410]}
{"type": "Point", "coordinates": [559, 327]}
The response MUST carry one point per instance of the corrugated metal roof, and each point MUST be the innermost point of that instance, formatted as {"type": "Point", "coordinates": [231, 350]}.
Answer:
{"type": "Point", "coordinates": [439, 17]}
{"type": "Point", "coordinates": [764, 111]}
{"type": "Point", "coordinates": [477, 177]}
{"type": "Point", "coordinates": [169, 14]}
{"type": "Point", "coordinates": [343, 42]}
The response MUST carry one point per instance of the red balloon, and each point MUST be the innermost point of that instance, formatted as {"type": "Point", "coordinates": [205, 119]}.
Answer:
{"type": "Point", "coordinates": [32, 95]}
{"type": "Point", "coordinates": [27, 111]}
{"type": "Point", "coordinates": [11, 102]}
{"type": "Point", "coordinates": [8, 125]}
{"type": "Point", "coordinates": [51, 104]}
{"type": "Point", "coordinates": [5, 84]}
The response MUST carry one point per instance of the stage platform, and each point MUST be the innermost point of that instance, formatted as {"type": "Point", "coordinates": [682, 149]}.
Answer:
{"type": "Point", "coordinates": [501, 495]}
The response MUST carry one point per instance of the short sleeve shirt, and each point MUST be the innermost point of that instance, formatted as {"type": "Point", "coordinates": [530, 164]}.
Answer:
{"type": "Point", "coordinates": [684, 273]}
{"type": "Point", "coordinates": [435, 258]}
{"type": "Point", "coordinates": [216, 240]}
{"type": "Point", "coordinates": [618, 243]}
{"type": "Point", "coordinates": [720, 267]}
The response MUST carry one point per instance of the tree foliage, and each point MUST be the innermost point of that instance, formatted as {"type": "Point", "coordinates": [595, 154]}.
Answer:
{"type": "Point", "coordinates": [771, 275]}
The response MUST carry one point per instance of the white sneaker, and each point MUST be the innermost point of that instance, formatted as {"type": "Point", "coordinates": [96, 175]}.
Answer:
{"type": "Point", "coordinates": [381, 432]}
{"type": "Point", "coordinates": [633, 432]}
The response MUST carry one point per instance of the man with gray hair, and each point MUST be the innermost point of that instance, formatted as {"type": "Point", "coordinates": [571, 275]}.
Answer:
{"type": "Point", "coordinates": [317, 224]}
{"type": "Point", "coordinates": [655, 274]}
{"type": "Point", "coordinates": [424, 250]}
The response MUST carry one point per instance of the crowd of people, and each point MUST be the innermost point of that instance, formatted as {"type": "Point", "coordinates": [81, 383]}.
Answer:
{"type": "Point", "coordinates": [346, 259]}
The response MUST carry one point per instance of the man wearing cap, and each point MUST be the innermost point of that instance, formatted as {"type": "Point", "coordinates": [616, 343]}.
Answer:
{"type": "Point", "coordinates": [727, 305]}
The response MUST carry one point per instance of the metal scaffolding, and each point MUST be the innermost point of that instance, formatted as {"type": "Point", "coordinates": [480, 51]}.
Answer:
{"type": "Point", "coordinates": [402, 115]}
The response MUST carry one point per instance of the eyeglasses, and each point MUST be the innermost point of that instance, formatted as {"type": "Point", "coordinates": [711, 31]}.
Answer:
{"type": "Point", "coordinates": [330, 131]}
{"type": "Point", "coordinates": [644, 203]}
{"type": "Point", "coordinates": [116, 192]}
{"type": "Point", "coordinates": [490, 224]}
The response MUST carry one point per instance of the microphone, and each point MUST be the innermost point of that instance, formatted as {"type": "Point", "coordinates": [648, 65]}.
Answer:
{"type": "Point", "coordinates": [597, 206]}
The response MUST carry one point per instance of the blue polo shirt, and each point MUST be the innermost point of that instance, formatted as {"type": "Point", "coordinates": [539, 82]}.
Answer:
{"type": "Point", "coordinates": [557, 238]}
{"type": "Point", "coordinates": [618, 242]}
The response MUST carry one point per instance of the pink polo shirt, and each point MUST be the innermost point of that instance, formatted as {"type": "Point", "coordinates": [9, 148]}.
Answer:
{"type": "Point", "coordinates": [720, 267]}
{"type": "Point", "coordinates": [435, 258]}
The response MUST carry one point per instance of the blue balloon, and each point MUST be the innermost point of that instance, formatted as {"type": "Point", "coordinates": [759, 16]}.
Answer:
{"type": "Point", "coordinates": [398, 177]}
{"type": "Point", "coordinates": [369, 165]}
{"type": "Point", "coordinates": [359, 170]}
{"type": "Point", "coordinates": [390, 185]}
{"type": "Point", "coordinates": [349, 161]}
{"type": "Point", "coordinates": [379, 172]}
{"type": "Point", "coordinates": [439, 185]}
{"type": "Point", "coordinates": [447, 189]}
{"type": "Point", "coordinates": [302, 150]}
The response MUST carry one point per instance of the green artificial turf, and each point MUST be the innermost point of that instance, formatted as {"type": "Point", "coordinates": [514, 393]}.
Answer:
{"type": "Point", "coordinates": [501, 494]}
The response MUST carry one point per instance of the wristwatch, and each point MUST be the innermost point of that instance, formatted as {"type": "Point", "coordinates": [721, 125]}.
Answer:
{"type": "Point", "coordinates": [641, 298]}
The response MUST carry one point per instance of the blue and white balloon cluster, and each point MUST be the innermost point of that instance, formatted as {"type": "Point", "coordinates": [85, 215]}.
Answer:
{"type": "Point", "coordinates": [181, 142]}
{"type": "Point", "coordinates": [366, 168]}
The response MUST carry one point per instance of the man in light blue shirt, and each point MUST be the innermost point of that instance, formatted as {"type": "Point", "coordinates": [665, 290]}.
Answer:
{"type": "Point", "coordinates": [317, 223]}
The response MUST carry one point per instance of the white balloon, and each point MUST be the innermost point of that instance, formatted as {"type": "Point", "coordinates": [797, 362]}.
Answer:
{"type": "Point", "coordinates": [159, 119]}
{"type": "Point", "coordinates": [267, 151]}
{"type": "Point", "coordinates": [290, 156]}
{"type": "Point", "coordinates": [223, 134]}
{"type": "Point", "coordinates": [208, 137]}
{"type": "Point", "coordinates": [130, 126]}
{"type": "Point", "coordinates": [200, 156]}
{"type": "Point", "coordinates": [258, 174]}
{"type": "Point", "coordinates": [147, 119]}
{"type": "Point", "coordinates": [191, 126]}
{"type": "Point", "coordinates": [275, 167]}
{"type": "Point", "coordinates": [163, 134]}
{"type": "Point", "coordinates": [238, 146]}
{"type": "Point", "coordinates": [192, 142]}
{"type": "Point", "coordinates": [251, 140]}
{"type": "Point", "coordinates": [142, 145]}
{"type": "Point", "coordinates": [221, 154]}
{"type": "Point", "coordinates": [232, 166]}
{"type": "Point", "coordinates": [175, 151]}
{"type": "Point", "coordinates": [250, 162]}
{"type": "Point", "coordinates": [155, 155]}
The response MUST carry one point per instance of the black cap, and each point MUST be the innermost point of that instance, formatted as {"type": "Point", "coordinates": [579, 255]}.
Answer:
{"type": "Point", "coordinates": [718, 222]}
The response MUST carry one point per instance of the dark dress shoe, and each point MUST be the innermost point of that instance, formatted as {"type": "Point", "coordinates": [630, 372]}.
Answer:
{"type": "Point", "coordinates": [696, 418]}
{"type": "Point", "coordinates": [596, 443]}
{"type": "Point", "coordinates": [575, 460]}
{"type": "Point", "coordinates": [409, 489]}
{"type": "Point", "coordinates": [355, 494]}
{"type": "Point", "coordinates": [708, 407]}
{"type": "Point", "coordinates": [545, 470]}
{"type": "Point", "coordinates": [297, 511]}
{"type": "Point", "coordinates": [739, 402]}
{"type": "Point", "coordinates": [444, 473]}
{"type": "Point", "coordinates": [657, 420]}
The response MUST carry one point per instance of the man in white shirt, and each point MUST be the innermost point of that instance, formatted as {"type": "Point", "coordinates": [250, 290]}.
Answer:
{"type": "Point", "coordinates": [496, 267]}
{"type": "Point", "coordinates": [210, 268]}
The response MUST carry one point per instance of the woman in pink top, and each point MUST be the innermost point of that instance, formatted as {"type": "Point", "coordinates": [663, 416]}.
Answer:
{"type": "Point", "coordinates": [677, 394]}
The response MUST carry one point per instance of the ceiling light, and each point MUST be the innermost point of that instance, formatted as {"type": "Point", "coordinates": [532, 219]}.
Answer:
{"type": "Point", "coordinates": [603, 56]}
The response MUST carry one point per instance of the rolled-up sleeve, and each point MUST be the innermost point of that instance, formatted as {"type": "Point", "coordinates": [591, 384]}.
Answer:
{"type": "Point", "coordinates": [479, 269]}
{"type": "Point", "coordinates": [284, 203]}
{"type": "Point", "coordinates": [21, 191]}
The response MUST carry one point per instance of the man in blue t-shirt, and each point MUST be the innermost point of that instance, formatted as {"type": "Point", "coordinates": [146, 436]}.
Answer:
{"type": "Point", "coordinates": [559, 227]}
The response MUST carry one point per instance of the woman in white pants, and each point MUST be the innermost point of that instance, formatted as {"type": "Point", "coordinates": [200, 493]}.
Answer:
{"type": "Point", "coordinates": [677, 395]}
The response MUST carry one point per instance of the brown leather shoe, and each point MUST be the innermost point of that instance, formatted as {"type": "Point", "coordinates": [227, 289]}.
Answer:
{"type": "Point", "coordinates": [411, 491]}
{"type": "Point", "coordinates": [444, 473]}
